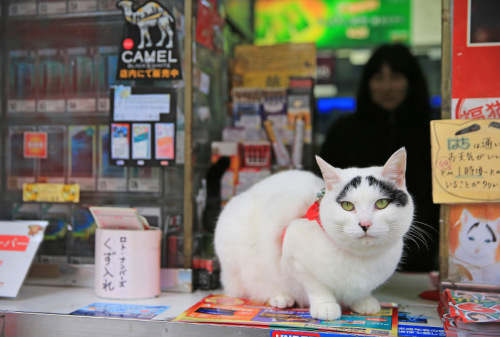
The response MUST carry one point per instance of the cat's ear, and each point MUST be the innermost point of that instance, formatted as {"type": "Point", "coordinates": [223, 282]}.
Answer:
{"type": "Point", "coordinates": [395, 168]}
{"type": "Point", "coordinates": [465, 215]}
{"type": "Point", "coordinates": [330, 174]}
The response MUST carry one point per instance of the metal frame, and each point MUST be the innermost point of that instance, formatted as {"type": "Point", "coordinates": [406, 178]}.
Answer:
{"type": "Point", "coordinates": [18, 324]}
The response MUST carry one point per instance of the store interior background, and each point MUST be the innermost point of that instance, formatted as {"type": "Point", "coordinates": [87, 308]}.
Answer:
{"type": "Point", "coordinates": [334, 96]}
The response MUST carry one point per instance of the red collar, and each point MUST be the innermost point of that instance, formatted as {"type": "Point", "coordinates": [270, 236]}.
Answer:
{"type": "Point", "coordinates": [312, 214]}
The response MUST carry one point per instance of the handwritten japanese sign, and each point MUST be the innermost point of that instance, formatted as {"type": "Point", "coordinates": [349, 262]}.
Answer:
{"type": "Point", "coordinates": [127, 263]}
{"type": "Point", "coordinates": [466, 161]}
{"type": "Point", "coordinates": [19, 241]}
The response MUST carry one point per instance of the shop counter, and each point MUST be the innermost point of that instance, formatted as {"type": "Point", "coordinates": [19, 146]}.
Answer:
{"type": "Point", "coordinates": [44, 311]}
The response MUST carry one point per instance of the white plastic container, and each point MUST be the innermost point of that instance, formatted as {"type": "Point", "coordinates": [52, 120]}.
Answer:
{"type": "Point", "coordinates": [127, 263]}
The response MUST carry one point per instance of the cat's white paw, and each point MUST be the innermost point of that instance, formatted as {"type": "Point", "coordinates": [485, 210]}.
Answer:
{"type": "Point", "coordinates": [367, 305]}
{"type": "Point", "coordinates": [282, 301]}
{"type": "Point", "coordinates": [328, 311]}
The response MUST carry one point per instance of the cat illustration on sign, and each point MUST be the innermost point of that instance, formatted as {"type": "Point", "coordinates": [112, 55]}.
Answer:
{"type": "Point", "coordinates": [149, 15]}
{"type": "Point", "coordinates": [474, 245]}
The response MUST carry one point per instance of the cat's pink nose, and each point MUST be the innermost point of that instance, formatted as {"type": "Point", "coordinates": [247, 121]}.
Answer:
{"type": "Point", "coordinates": [365, 225]}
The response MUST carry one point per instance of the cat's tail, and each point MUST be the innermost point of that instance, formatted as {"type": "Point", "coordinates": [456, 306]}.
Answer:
{"type": "Point", "coordinates": [213, 205]}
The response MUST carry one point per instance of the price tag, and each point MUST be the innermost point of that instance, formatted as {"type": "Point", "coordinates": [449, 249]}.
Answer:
{"type": "Point", "coordinates": [27, 8]}
{"type": "Point", "coordinates": [103, 104]}
{"type": "Point", "coordinates": [51, 105]}
{"type": "Point", "coordinates": [82, 6]}
{"type": "Point", "coordinates": [52, 7]}
{"type": "Point", "coordinates": [16, 106]}
{"type": "Point", "coordinates": [81, 105]}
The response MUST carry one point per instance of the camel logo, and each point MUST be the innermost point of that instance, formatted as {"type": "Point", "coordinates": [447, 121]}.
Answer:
{"type": "Point", "coordinates": [149, 47]}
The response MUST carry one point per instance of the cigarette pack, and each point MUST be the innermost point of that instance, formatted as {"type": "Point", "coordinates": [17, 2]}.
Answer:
{"type": "Point", "coordinates": [54, 248]}
{"type": "Point", "coordinates": [51, 73]}
{"type": "Point", "coordinates": [82, 82]}
{"type": "Point", "coordinates": [52, 169]}
{"type": "Point", "coordinates": [20, 170]}
{"type": "Point", "coordinates": [21, 88]}
{"type": "Point", "coordinates": [82, 156]}
{"type": "Point", "coordinates": [107, 63]}
{"type": "Point", "coordinates": [144, 179]}
{"type": "Point", "coordinates": [82, 238]}
{"type": "Point", "coordinates": [109, 177]}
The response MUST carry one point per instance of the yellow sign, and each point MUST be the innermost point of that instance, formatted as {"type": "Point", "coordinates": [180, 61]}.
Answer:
{"type": "Point", "coordinates": [272, 66]}
{"type": "Point", "coordinates": [51, 193]}
{"type": "Point", "coordinates": [465, 161]}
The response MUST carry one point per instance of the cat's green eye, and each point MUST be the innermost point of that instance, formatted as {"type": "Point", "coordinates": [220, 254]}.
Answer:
{"type": "Point", "coordinates": [347, 205]}
{"type": "Point", "coordinates": [382, 203]}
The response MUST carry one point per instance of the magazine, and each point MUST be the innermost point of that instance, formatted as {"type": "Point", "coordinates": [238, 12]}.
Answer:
{"type": "Point", "coordinates": [221, 309]}
{"type": "Point", "coordinates": [419, 320]}
{"type": "Point", "coordinates": [471, 311]}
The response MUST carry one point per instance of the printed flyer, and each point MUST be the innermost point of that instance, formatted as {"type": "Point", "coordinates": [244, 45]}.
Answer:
{"type": "Point", "coordinates": [222, 309]}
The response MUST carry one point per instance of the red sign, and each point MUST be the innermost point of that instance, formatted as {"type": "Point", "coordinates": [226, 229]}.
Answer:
{"type": "Point", "coordinates": [35, 145]}
{"type": "Point", "coordinates": [476, 50]}
{"type": "Point", "coordinates": [14, 242]}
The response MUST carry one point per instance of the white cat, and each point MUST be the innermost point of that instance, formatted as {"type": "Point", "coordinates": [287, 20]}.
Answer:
{"type": "Point", "coordinates": [268, 252]}
{"type": "Point", "coordinates": [476, 253]}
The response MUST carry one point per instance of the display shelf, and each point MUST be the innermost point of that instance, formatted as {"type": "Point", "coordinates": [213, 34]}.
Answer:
{"type": "Point", "coordinates": [43, 311]}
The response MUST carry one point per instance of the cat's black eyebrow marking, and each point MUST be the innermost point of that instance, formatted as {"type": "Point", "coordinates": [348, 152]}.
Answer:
{"type": "Point", "coordinates": [473, 226]}
{"type": "Point", "coordinates": [492, 233]}
{"type": "Point", "coordinates": [487, 227]}
{"type": "Point", "coordinates": [399, 197]}
{"type": "Point", "coordinates": [353, 183]}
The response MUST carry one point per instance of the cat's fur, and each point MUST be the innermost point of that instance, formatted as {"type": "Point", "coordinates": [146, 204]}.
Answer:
{"type": "Point", "coordinates": [476, 254]}
{"type": "Point", "coordinates": [322, 268]}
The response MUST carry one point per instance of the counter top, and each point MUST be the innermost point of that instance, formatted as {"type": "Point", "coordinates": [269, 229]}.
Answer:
{"type": "Point", "coordinates": [37, 301]}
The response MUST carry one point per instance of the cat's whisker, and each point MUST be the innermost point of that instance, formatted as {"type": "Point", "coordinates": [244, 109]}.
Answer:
{"type": "Point", "coordinates": [409, 237]}
{"type": "Point", "coordinates": [423, 231]}
{"type": "Point", "coordinates": [416, 235]}
{"type": "Point", "coordinates": [427, 225]}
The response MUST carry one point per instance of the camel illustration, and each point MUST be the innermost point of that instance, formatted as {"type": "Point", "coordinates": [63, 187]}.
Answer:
{"type": "Point", "coordinates": [147, 16]}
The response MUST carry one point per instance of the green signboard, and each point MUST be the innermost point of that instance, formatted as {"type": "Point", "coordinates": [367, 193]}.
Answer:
{"type": "Point", "coordinates": [332, 23]}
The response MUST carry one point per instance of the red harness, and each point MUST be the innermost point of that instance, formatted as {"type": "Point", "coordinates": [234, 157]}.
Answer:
{"type": "Point", "coordinates": [312, 214]}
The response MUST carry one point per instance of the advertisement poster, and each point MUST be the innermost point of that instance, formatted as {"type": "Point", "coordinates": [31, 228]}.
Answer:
{"type": "Point", "coordinates": [332, 23]}
{"type": "Point", "coordinates": [143, 126]}
{"type": "Point", "coordinates": [19, 242]}
{"type": "Point", "coordinates": [474, 250]}
{"type": "Point", "coordinates": [165, 137]}
{"type": "Point", "coordinates": [476, 48]}
{"type": "Point", "coordinates": [149, 48]}
{"type": "Point", "coordinates": [141, 141]}
{"type": "Point", "coordinates": [272, 66]}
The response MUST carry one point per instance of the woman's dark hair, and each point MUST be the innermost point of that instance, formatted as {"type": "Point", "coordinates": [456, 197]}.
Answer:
{"type": "Point", "coordinates": [398, 57]}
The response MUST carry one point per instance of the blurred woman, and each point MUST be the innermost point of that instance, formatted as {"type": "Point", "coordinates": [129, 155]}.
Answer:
{"type": "Point", "coordinates": [393, 110]}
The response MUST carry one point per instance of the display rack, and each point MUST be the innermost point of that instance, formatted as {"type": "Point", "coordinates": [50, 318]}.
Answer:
{"type": "Point", "coordinates": [26, 27]}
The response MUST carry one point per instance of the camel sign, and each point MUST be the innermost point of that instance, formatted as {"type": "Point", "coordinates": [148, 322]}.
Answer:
{"type": "Point", "coordinates": [149, 49]}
